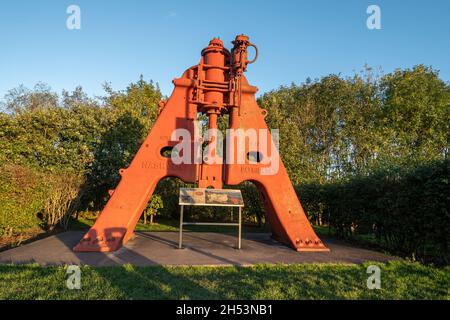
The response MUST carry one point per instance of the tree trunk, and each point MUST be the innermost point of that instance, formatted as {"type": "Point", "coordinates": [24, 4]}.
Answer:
{"type": "Point", "coordinates": [151, 219]}
{"type": "Point", "coordinates": [145, 217]}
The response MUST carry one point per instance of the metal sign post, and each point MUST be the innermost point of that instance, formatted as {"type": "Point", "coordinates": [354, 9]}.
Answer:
{"type": "Point", "coordinates": [210, 197]}
{"type": "Point", "coordinates": [180, 241]}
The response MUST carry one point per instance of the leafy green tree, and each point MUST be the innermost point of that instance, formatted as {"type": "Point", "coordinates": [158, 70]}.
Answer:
{"type": "Point", "coordinates": [130, 116]}
{"type": "Point", "coordinates": [334, 127]}
{"type": "Point", "coordinates": [155, 204]}
{"type": "Point", "coordinates": [21, 98]}
{"type": "Point", "coordinates": [415, 114]}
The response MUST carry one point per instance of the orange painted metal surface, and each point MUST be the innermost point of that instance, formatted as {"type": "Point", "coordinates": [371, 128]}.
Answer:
{"type": "Point", "coordinates": [216, 86]}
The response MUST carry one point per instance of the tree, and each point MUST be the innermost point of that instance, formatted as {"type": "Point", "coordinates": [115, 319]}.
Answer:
{"type": "Point", "coordinates": [21, 98]}
{"type": "Point", "coordinates": [335, 127]}
{"type": "Point", "coordinates": [128, 119]}
{"type": "Point", "coordinates": [153, 207]}
{"type": "Point", "coordinates": [414, 119]}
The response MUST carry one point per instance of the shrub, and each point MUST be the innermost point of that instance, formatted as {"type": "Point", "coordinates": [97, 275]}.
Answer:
{"type": "Point", "coordinates": [153, 207]}
{"type": "Point", "coordinates": [62, 201]}
{"type": "Point", "coordinates": [22, 196]}
{"type": "Point", "coordinates": [31, 198]}
{"type": "Point", "coordinates": [405, 210]}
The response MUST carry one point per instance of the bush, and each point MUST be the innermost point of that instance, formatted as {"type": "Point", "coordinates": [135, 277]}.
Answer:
{"type": "Point", "coordinates": [62, 201]}
{"type": "Point", "coordinates": [153, 207]}
{"type": "Point", "coordinates": [406, 211]}
{"type": "Point", "coordinates": [22, 196]}
{"type": "Point", "coordinates": [30, 198]}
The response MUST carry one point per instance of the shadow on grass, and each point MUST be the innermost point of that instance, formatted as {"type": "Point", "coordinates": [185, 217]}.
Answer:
{"type": "Point", "coordinates": [155, 282]}
{"type": "Point", "coordinates": [400, 280]}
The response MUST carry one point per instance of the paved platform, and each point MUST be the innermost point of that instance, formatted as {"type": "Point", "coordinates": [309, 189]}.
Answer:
{"type": "Point", "coordinates": [201, 248]}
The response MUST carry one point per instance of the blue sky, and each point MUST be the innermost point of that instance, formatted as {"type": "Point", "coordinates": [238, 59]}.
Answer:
{"type": "Point", "coordinates": [119, 40]}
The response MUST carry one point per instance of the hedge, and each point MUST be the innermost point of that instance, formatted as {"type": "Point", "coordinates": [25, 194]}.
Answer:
{"type": "Point", "coordinates": [404, 211]}
{"type": "Point", "coordinates": [32, 198]}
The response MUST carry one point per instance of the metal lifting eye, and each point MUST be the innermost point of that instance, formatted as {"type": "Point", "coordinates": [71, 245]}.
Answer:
{"type": "Point", "coordinates": [256, 53]}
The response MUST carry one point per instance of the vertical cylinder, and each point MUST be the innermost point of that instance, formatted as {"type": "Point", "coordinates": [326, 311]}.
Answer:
{"type": "Point", "coordinates": [213, 86]}
{"type": "Point", "coordinates": [213, 121]}
{"type": "Point", "coordinates": [214, 58]}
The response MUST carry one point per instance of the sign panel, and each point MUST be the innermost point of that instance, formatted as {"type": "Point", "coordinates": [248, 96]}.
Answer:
{"type": "Point", "coordinates": [210, 197]}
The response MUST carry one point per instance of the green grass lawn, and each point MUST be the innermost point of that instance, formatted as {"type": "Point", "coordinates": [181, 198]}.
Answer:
{"type": "Point", "coordinates": [399, 280]}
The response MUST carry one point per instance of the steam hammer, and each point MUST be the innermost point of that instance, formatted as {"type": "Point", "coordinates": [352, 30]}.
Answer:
{"type": "Point", "coordinates": [214, 87]}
